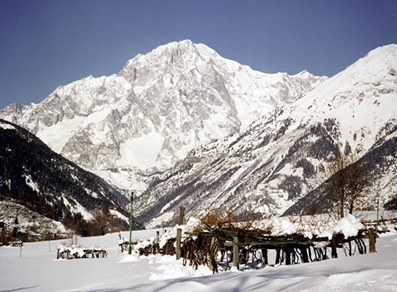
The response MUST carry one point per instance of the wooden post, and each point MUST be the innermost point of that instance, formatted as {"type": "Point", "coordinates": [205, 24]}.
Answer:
{"type": "Point", "coordinates": [325, 256]}
{"type": "Point", "coordinates": [305, 257]}
{"type": "Point", "coordinates": [212, 254]}
{"type": "Point", "coordinates": [278, 257]}
{"type": "Point", "coordinates": [287, 251]}
{"type": "Point", "coordinates": [372, 240]}
{"type": "Point", "coordinates": [235, 252]}
{"type": "Point", "coordinates": [350, 248]}
{"type": "Point", "coordinates": [265, 259]}
{"type": "Point", "coordinates": [178, 243]}
{"type": "Point", "coordinates": [334, 253]}
{"type": "Point", "coordinates": [212, 244]}
{"type": "Point", "coordinates": [130, 241]}
{"type": "Point", "coordinates": [157, 243]}
{"type": "Point", "coordinates": [181, 215]}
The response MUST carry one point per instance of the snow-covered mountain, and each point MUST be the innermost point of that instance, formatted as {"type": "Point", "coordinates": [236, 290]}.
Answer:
{"type": "Point", "coordinates": [157, 108]}
{"type": "Point", "coordinates": [35, 180]}
{"type": "Point", "coordinates": [242, 140]}
{"type": "Point", "coordinates": [281, 157]}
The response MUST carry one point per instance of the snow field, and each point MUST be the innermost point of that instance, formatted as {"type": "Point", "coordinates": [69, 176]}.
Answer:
{"type": "Point", "coordinates": [35, 268]}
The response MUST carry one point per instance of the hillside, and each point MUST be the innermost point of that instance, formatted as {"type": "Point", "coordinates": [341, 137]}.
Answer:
{"type": "Point", "coordinates": [34, 176]}
{"type": "Point", "coordinates": [281, 157]}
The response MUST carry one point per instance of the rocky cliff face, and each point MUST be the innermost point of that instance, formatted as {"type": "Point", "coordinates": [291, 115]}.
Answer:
{"type": "Point", "coordinates": [156, 109]}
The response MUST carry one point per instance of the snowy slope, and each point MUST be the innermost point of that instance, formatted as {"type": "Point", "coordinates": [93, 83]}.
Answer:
{"type": "Point", "coordinates": [156, 109]}
{"type": "Point", "coordinates": [35, 180]}
{"type": "Point", "coordinates": [30, 222]}
{"type": "Point", "coordinates": [281, 157]}
{"type": "Point", "coordinates": [361, 99]}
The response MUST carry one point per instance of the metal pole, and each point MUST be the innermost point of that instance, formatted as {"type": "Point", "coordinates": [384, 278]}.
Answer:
{"type": "Point", "coordinates": [130, 242]}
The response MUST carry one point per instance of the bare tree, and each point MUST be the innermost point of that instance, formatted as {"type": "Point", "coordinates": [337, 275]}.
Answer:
{"type": "Point", "coordinates": [348, 179]}
{"type": "Point", "coordinates": [100, 223]}
{"type": "Point", "coordinates": [217, 218]}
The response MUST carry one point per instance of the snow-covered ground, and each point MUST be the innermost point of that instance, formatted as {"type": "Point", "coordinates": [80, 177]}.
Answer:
{"type": "Point", "coordinates": [35, 268]}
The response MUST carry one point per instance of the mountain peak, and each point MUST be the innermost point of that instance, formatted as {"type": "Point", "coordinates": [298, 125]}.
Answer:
{"type": "Point", "coordinates": [188, 44]}
{"type": "Point", "coordinates": [181, 56]}
{"type": "Point", "coordinates": [305, 74]}
{"type": "Point", "coordinates": [379, 61]}
{"type": "Point", "coordinates": [157, 108]}
{"type": "Point", "coordinates": [183, 46]}
{"type": "Point", "coordinates": [386, 50]}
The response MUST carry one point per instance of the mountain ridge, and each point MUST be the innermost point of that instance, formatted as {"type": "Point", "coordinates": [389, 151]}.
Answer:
{"type": "Point", "coordinates": [156, 109]}
{"type": "Point", "coordinates": [282, 156]}
{"type": "Point", "coordinates": [237, 143]}
{"type": "Point", "coordinates": [45, 182]}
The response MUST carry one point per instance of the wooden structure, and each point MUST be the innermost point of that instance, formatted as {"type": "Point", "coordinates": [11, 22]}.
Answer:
{"type": "Point", "coordinates": [247, 246]}
{"type": "Point", "coordinates": [241, 248]}
{"type": "Point", "coordinates": [80, 253]}
{"type": "Point", "coordinates": [254, 248]}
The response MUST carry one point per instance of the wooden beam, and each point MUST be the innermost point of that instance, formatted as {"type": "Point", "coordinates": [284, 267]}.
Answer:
{"type": "Point", "coordinates": [372, 240]}
{"type": "Point", "coordinates": [235, 252]}
{"type": "Point", "coordinates": [178, 243]}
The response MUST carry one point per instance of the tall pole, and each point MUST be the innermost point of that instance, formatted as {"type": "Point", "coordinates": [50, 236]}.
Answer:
{"type": "Point", "coordinates": [130, 242]}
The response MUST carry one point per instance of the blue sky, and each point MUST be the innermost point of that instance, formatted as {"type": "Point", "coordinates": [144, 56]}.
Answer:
{"type": "Point", "coordinates": [47, 43]}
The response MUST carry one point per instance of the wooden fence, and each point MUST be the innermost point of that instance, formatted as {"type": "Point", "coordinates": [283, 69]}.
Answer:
{"type": "Point", "coordinates": [240, 248]}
